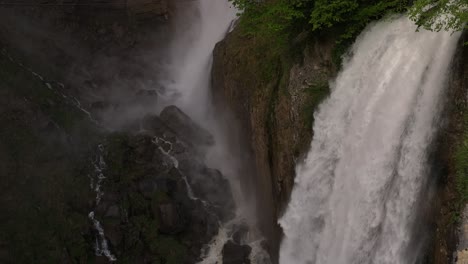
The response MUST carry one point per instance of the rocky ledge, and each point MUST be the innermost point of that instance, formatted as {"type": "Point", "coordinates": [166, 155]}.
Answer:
{"type": "Point", "coordinates": [160, 201]}
{"type": "Point", "coordinates": [79, 193]}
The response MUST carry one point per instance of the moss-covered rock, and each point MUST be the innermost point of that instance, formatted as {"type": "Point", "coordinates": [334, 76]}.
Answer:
{"type": "Point", "coordinates": [273, 93]}
{"type": "Point", "coordinates": [450, 164]}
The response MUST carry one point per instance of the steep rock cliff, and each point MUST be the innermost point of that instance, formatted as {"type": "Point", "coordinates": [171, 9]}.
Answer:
{"type": "Point", "coordinates": [450, 166]}
{"type": "Point", "coordinates": [85, 178]}
{"type": "Point", "coordinates": [273, 95]}
{"type": "Point", "coordinates": [274, 98]}
{"type": "Point", "coordinates": [74, 192]}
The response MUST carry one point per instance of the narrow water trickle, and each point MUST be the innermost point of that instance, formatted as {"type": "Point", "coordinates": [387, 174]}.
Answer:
{"type": "Point", "coordinates": [356, 193]}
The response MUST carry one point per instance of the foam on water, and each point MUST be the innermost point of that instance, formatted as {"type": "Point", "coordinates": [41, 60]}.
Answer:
{"type": "Point", "coordinates": [355, 195]}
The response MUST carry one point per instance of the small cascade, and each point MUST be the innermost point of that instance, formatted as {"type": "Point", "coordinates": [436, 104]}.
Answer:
{"type": "Point", "coordinates": [101, 244]}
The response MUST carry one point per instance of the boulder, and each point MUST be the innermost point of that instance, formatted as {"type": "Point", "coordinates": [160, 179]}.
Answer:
{"type": "Point", "coordinates": [184, 127]}
{"type": "Point", "coordinates": [236, 254]}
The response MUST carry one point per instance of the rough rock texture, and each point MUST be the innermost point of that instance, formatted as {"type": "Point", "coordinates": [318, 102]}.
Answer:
{"type": "Point", "coordinates": [106, 52]}
{"type": "Point", "coordinates": [234, 253]}
{"type": "Point", "coordinates": [149, 204]}
{"type": "Point", "coordinates": [447, 206]}
{"type": "Point", "coordinates": [64, 73]}
{"type": "Point", "coordinates": [185, 127]}
{"type": "Point", "coordinates": [462, 248]}
{"type": "Point", "coordinates": [274, 98]}
{"type": "Point", "coordinates": [58, 165]}
{"type": "Point", "coordinates": [44, 144]}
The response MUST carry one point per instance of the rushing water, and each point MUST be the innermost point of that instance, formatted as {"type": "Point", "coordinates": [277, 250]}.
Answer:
{"type": "Point", "coordinates": [198, 26]}
{"type": "Point", "coordinates": [356, 193]}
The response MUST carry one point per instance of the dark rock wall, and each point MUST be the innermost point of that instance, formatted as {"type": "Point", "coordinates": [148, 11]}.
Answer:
{"type": "Point", "coordinates": [273, 97]}
{"type": "Point", "coordinates": [68, 169]}
{"type": "Point", "coordinates": [108, 56]}
{"type": "Point", "coordinates": [446, 204]}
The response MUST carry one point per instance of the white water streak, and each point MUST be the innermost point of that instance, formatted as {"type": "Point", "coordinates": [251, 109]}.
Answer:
{"type": "Point", "coordinates": [74, 102]}
{"type": "Point", "coordinates": [175, 163]}
{"type": "Point", "coordinates": [212, 252]}
{"type": "Point", "coordinates": [101, 246]}
{"type": "Point", "coordinates": [356, 193]}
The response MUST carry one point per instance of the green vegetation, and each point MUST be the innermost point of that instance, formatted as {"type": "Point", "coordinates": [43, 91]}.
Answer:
{"type": "Point", "coordinates": [461, 165]}
{"type": "Point", "coordinates": [280, 21]}
{"type": "Point", "coordinates": [449, 15]}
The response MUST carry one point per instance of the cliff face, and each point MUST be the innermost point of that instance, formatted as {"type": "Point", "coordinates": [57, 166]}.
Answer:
{"type": "Point", "coordinates": [74, 192]}
{"type": "Point", "coordinates": [273, 97]}
{"type": "Point", "coordinates": [450, 165]}
{"type": "Point", "coordinates": [89, 172]}
{"type": "Point", "coordinates": [106, 53]}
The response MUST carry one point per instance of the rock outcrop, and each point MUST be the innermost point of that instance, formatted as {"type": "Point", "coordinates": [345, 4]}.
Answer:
{"type": "Point", "coordinates": [157, 191]}
{"type": "Point", "coordinates": [76, 191]}
{"type": "Point", "coordinates": [273, 96]}
{"type": "Point", "coordinates": [448, 214]}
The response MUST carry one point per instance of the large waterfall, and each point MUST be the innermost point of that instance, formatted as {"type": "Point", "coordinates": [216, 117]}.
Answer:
{"type": "Point", "coordinates": [356, 193]}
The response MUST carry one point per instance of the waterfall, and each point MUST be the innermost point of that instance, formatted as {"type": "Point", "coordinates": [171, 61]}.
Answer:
{"type": "Point", "coordinates": [356, 193]}
{"type": "Point", "coordinates": [198, 26]}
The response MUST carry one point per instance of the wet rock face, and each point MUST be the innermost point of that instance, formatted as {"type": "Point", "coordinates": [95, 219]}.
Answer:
{"type": "Point", "coordinates": [184, 127]}
{"type": "Point", "coordinates": [158, 191]}
{"type": "Point", "coordinates": [450, 239]}
{"type": "Point", "coordinates": [159, 203]}
{"type": "Point", "coordinates": [275, 108]}
{"type": "Point", "coordinates": [234, 253]}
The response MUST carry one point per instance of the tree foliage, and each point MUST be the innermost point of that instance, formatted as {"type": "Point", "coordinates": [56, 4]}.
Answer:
{"type": "Point", "coordinates": [436, 15]}
{"type": "Point", "coordinates": [275, 23]}
{"type": "Point", "coordinates": [273, 17]}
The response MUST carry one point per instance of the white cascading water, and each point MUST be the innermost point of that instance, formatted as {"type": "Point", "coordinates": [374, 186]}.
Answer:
{"type": "Point", "coordinates": [199, 26]}
{"type": "Point", "coordinates": [355, 195]}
